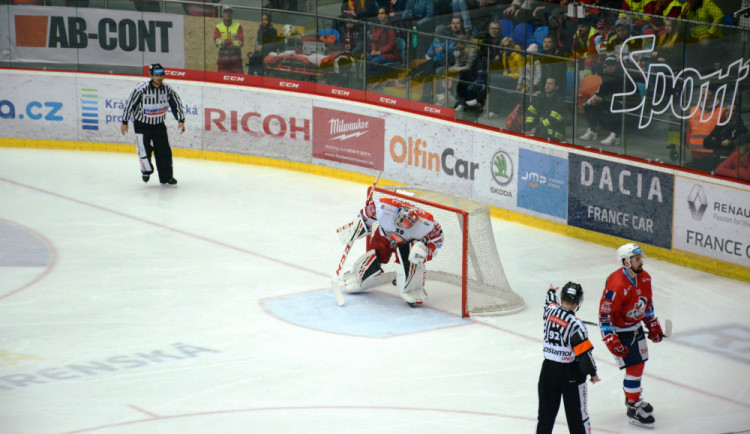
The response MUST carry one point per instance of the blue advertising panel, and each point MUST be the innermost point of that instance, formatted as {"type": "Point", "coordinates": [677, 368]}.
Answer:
{"type": "Point", "coordinates": [617, 199]}
{"type": "Point", "coordinates": [543, 183]}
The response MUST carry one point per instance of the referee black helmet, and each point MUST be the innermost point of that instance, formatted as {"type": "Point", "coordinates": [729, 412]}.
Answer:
{"type": "Point", "coordinates": [155, 69]}
{"type": "Point", "coordinates": [572, 293]}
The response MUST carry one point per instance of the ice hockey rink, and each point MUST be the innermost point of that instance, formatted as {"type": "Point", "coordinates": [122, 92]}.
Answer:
{"type": "Point", "coordinates": [135, 308]}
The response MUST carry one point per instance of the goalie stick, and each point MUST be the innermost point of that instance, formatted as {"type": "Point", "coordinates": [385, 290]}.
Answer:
{"type": "Point", "coordinates": [335, 282]}
{"type": "Point", "coordinates": [667, 327]}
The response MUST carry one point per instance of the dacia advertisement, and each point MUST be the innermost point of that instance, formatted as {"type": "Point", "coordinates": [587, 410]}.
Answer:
{"type": "Point", "coordinates": [623, 200]}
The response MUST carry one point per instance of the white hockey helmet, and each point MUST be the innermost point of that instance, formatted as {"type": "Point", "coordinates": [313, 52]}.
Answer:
{"type": "Point", "coordinates": [406, 217]}
{"type": "Point", "coordinates": [627, 251]}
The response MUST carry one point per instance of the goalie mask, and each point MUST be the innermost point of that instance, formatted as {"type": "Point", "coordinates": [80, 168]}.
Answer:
{"type": "Point", "coordinates": [572, 293]}
{"type": "Point", "coordinates": [406, 217]}
{"type": "Point", "coordinates": [627, 251]}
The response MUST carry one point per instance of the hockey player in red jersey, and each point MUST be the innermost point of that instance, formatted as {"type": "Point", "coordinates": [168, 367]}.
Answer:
{"type": "Point", "coordinates": [409, 232]}
{"type": "Point", "coordinates": [625, 303]}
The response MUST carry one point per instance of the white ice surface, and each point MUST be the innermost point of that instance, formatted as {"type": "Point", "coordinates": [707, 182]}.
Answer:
{"type": "Point", "coordinates": [156, 316]}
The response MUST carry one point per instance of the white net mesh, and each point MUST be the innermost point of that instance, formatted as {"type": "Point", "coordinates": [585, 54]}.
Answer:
{"type": "Point", "coordinates": [487, 290]}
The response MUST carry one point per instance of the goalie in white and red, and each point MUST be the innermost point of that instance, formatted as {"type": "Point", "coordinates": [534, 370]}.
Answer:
{"type": "Point", "coordinates": [409, 232]}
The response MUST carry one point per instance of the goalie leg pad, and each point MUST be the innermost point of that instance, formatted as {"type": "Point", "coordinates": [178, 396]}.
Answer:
{"type": "Point", "coordinates": [410, 278]}
{"type": "Point", "coordinates": [364, 273]}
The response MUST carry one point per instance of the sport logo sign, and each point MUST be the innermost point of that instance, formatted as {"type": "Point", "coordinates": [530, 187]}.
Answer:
{"type": "Point", "coordinates": [348, 137]}
{"type": "Point", "coordinates": [674, 89]}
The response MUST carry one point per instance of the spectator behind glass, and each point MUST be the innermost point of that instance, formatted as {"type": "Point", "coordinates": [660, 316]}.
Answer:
{"type": "Point", "coordinates": [668, 48]}
{"type": "Point", "coordinates": [463, 8]}
{"type": "Point", "coordinates": [597, 110]}
{"type": "Point", "coordinates": [545, 116]}
{"type": "Point", "coordinates": [352, 39]}
{"type": "Point", "coordinates": [530, 79]}
{"type": "Point", "coordinates": [420, 15]}
{"type": "Point", "coordinates": [738, 164]}
{"type": "Point", "coordinates": [488, 66]}
{"type": "Point", "coordinates": [362, 9]}
{"type": "Point", "coordinates": [464, 65]}
{"type": "Point", "coordinates": [265, 42]}
{"type": "Point", "coordinates": [705, 11]}
{"type": "Point", "coordinates": [563, 29]}
{"type": "Point", "coordinates": [722, 139]}
{"type": "Point", "coordinates": [437, 55]}
{"type": "Point", "coordinates": [396, 10]}
{"type": "Point", "coordinates": [505, 77]}
{"type": "Point", "coordinates": [383, 47]}
{"type": "Point", "coordinates": [229, 37]}
{"type": "Point", "coordinates": [519, 11]}
{"type": "Point", "coordinates": [703, 118]}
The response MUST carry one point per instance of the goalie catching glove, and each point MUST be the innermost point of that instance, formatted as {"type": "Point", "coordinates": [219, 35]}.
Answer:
{"type": "Point", "coordinates": [654, 330]}
{"type": "Point", "coordinates": [418, 252]}
{"type": "Point", "coordinates": [352, 231]}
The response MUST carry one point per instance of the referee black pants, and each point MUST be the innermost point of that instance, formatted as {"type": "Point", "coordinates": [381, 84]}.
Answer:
{"type": "Point", "coordinates": [562, 381]}
{"type": "Point", "coordinates": [153, 139]}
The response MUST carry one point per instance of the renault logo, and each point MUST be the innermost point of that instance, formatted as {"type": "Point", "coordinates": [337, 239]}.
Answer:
{"type": "Point", "coordinates": [697, 202]}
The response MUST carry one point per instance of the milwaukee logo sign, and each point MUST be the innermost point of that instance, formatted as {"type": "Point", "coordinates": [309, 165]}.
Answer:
{"type": "Point", "coordinates": [348, 138]}
{"type": "Point", "coordinates": [342, 130]}
{"type": "Point", "coordinates": [53, 34]}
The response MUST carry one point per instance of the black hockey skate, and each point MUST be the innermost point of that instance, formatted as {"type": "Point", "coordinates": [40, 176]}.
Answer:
{"type": "Point", "coordinates": [145, 177]}
{"type": "Point", "coordinates": [638, 414]}
{"type": "Point", "coordinates": [171, 183]}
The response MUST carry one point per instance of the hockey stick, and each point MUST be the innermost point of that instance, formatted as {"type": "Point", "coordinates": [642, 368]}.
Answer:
{"type": "Point", "coordinates": [336, 287]}
{"type": "Point", "coordinates": [667, 327]}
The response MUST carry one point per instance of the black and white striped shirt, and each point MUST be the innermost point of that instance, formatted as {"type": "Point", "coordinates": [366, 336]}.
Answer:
{"type": "Point", "coordinates": [148, 104]}
{"type": "Point", "coordinates": [565, 337]}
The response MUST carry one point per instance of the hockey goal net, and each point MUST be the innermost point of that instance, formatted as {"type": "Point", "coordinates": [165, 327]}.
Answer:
{"type": "Point", "coordinates": [468, 258]}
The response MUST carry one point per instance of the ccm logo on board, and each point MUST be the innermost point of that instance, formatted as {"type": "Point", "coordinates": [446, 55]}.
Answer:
{"type": "Point", "coordinates": [288, 84]}
{"type": "Point", "coordinates": [233, 78]}
{"type": "Point", "coordinates": [174, 73]}
{"type": "Point", "coordinates": [388, 100]}
{"type": "Point", "coordinates": [432, 110]}
{"type": "Point", "coordinates": [340, 92]}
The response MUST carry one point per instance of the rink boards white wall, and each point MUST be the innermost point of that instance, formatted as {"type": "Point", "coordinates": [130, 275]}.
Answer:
{"type": "Point", "coordinates": [693, 220]}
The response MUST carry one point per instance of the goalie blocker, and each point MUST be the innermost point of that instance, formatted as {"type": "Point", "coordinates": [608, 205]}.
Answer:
{"type": "Point", "coordinates": [409, 232]}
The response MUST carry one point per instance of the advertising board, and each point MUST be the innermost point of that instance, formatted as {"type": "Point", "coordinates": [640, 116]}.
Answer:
{"type": "Point", "coordinates": [622, 200]}
{"type": "Point", "coordinates": [712, 220]}
{"type": "Point", "coordinates": [95, 36]}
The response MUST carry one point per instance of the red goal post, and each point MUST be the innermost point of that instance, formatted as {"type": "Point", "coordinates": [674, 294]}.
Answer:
{"type": "Point", "coordinates": [473, 263]}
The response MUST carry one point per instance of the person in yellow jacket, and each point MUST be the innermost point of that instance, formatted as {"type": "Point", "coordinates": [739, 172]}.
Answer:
{"type": "Point", "coordinates": [707, 12]}
{"type": "Point", "coordinates": [229, 37]}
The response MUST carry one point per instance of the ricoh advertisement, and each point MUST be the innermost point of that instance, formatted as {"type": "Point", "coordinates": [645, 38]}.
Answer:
{"type": "Point", "coordinates": [712, 220]}
{"type": "Point", "coordinates": [622, 200]}
{"type": "Point", "coordinates": [243, 122]}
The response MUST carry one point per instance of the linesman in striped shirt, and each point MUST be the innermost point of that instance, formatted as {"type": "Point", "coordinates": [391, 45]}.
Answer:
{"type": "Point", "coordinates": [147, 106]}
{"type": "Point", "coordinates": [568, 360]}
